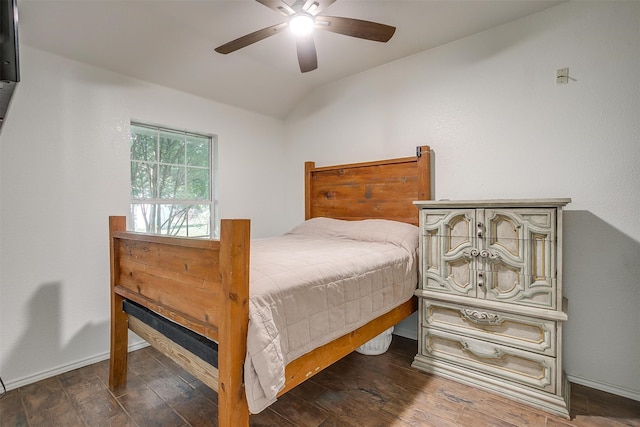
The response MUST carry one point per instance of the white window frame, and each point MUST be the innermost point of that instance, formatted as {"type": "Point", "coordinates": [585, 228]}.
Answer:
{"type": "Point", "coordinates": [212, 200]}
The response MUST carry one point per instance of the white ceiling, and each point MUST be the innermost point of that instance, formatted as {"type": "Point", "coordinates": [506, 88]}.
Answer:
{"type": "Point", "coordinates": [171, 42]}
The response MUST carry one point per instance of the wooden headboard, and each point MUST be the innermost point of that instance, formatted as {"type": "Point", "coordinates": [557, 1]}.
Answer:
{"type": "Point", "coordinates": [382, 189]}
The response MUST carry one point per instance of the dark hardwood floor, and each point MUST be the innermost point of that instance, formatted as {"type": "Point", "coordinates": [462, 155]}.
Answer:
{"type": "Point", "coordinates": [357, 391]}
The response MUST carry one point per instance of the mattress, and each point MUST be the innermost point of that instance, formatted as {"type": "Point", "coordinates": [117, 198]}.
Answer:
{"type": "Point", "coordinates": [321, 280]}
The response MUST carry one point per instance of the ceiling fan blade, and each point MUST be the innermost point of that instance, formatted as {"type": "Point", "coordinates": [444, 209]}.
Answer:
{"type": "Point", "coordinates": [316, 6]}
{"type": "Point", "coordinates": [256, 36]}
{"type": "Point", "coordinates": [355, 28]}
{"type": "Point", "coordinates": [278, 6]}
{"type": "Point", "coordinates": [307, 57]}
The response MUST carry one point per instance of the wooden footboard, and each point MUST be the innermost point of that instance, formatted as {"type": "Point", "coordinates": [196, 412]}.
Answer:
{"type": "Point", "coordinates": [202, 285]}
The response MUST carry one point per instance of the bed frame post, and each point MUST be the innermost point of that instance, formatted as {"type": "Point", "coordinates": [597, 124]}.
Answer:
{"type": "Point", "coordinates": [234, 265]}
{"type": "Point", "coordinates": [308, 167]}
{"type": "Point", "coordinates": [119, 319]}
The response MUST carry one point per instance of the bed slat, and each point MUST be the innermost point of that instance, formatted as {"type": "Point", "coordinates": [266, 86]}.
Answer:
{"type": "Point", "coordinates": [182, 319]}
{"type": "Point", "coordinates": [183, 357]}
{"type": "Point", "coordinates": [181, 260]}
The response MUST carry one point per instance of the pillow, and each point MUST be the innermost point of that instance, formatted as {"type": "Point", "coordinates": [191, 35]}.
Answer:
{"type": "Point", "coordinates": [367, 230]}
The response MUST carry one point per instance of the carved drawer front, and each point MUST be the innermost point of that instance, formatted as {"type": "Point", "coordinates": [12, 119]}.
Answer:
{"type": "Point", "coordinates": [531, 369]}
{"type": "Point", "coordinates": [523, 332]}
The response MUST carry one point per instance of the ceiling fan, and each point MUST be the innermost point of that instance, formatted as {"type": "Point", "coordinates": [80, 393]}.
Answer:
{"type": "Point", "coordinates": [303, 16]}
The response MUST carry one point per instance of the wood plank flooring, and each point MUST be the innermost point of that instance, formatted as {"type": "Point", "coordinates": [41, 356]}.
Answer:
{"type": "Point", "coordinates": [357, 391]}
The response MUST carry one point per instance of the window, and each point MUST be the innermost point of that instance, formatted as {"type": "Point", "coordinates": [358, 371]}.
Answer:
{"type": "Point", "coordinates": [173, 182]}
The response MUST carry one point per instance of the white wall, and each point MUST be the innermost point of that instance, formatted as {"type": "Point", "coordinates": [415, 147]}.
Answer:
{"type": "Point", "coordinates": [64, 168]}
{"type": "Point", "coordinates": [500, 127]}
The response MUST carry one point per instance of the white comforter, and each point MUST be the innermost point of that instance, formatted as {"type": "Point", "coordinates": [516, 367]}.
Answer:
{"type": "Point", "coordinates": [320, 281]}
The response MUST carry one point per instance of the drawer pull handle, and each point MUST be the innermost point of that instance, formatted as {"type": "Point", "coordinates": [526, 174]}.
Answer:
{"type": "Point", "coordinates": [484, 353]}
{"type": "Point", "coordinates": [488, 254]}
{"type": "Point", "coordinates": [481, 316]}
{"type": "Point", "coordinates": [471, 254]}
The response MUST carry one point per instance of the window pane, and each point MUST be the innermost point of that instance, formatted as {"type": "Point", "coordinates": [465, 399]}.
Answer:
{"type": "Point", "coordinates": [199, 221]}
{"type": "Point", "coordinates": [172, 182]}
{"type": "Point", "coordinates": [143, 217]}
{"type": "Point", "coordinates": [197, 183]}
{"type": "Point", "coordinates": [174, 220]}
{"type": "Point", "coordinates": [171, 148]}
{"type": "Point", "coordinates": [144, 144]}
{"type": "Point", "coordinates": [198, 151]}
{"type": "Point", "coordinates": [143, 180]}
{"type": "Point", "coordinates": [186, 221]}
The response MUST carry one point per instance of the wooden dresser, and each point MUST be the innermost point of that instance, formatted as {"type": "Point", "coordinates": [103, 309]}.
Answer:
{"type": "Point", "coordinates": [491, 308]}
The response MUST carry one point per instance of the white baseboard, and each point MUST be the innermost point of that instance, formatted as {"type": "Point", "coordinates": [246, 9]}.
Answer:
{"type": "Point", "coordinates": [30, 379]}
{"type": "Point", "coordinates": [405, 332]}
{"type": "Point", "coordinates": [619, 391]}
{"type": "Point", "coordinates": [408, 328]}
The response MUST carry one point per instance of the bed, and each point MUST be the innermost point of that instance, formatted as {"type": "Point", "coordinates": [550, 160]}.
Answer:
{"type": "Point", "coordinates": [190, 298]}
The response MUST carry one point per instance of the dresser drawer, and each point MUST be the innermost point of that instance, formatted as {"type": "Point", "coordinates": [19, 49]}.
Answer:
{"type": "Point", "coordinates": [513, 330]}
{"type": "Point", "coordinates": [531, 369]}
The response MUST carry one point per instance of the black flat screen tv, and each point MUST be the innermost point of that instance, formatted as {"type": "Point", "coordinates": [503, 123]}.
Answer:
{"type": "Point", "coordinates": [9, 63]}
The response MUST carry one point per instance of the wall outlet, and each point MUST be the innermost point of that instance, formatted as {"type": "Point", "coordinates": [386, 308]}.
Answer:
{"type": "Point", "coordinates": [562, 76]}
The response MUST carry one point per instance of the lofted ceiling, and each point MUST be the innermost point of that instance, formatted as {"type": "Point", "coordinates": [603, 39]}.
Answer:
{"type": "Point", "coordinates": [171, 42]}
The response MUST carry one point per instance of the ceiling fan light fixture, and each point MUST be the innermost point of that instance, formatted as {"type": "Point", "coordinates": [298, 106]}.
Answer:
{"type": "Point", "coordinates": [301, 24]}
{"type": "Point", "coordinates": [303, 17]}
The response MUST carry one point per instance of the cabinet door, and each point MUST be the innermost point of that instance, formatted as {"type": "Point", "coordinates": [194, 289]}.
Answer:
{"type": "Point", "coordinates": [448, 241]}
{"type": "Point", "coordinates": [518, 255]}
